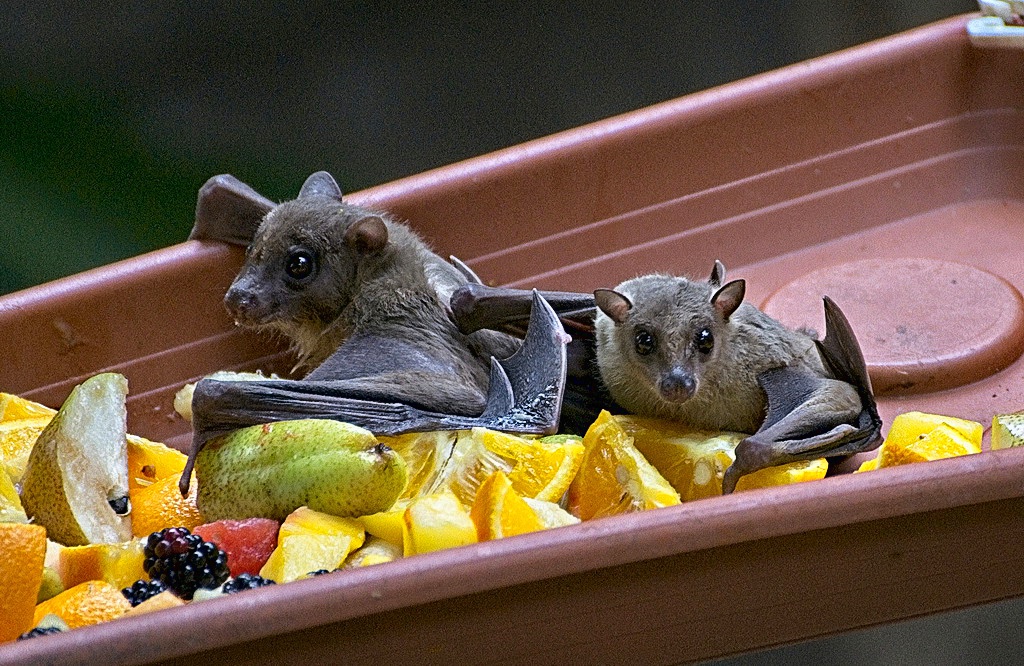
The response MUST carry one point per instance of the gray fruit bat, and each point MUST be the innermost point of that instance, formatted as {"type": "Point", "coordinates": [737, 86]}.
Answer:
{"type": "Point", "coordinates": [365, 304]}
{"type": "Point", "coordinates": [692, 351]}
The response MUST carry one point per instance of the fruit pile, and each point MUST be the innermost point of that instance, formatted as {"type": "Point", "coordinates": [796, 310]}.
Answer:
{"type": "Point", "coordinates": [100, 530]}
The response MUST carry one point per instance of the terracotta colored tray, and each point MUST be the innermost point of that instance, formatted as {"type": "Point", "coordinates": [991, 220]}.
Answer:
{"type": "Point", "coordinates": [901, 153]}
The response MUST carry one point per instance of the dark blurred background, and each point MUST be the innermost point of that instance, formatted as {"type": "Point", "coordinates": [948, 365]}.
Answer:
{"type": "Point", "coordinates": [113, 117]}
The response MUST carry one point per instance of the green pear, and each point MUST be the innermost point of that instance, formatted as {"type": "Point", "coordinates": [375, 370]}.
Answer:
{"type": "Point", "coordinates": [1007, 430]}
{"type": "Point", "coordinates": [270, 470]}
{"type": "Point", "coordinates": [78, 469]}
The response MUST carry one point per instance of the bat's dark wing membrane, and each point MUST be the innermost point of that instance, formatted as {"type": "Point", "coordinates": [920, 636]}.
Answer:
{"type": "Point", "coordinates": [524, 395]}
{"type": "Point", "coordinates": [228, 210]}
{"type": "Point", "coordinates": [810, 416]}
{"type": "Point", "coordinates": [476, 306]}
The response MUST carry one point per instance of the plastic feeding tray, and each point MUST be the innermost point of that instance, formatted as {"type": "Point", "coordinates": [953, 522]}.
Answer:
{"type": "Point", "coordinates": [887, 176]}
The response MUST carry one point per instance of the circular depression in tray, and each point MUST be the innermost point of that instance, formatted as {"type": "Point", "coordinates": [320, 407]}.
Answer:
{"type": "Point", "coordinates": [923, 324]}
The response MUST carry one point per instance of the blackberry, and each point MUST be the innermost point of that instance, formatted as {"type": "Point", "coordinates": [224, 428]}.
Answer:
{"type": "Point", "coordinates": [141, 590]}
{"type": "Point", "coordinates": [184, 562]}
{"type": "Point", "coordinates": [39, 631]}
{"type": "Point", "coordinates": [245, 581]}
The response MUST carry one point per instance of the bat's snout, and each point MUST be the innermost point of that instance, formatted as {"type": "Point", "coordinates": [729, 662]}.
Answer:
{"type": "Point", "coordinates": [677, 385]}
{"type": "Point", "coordinates": [242, 304]}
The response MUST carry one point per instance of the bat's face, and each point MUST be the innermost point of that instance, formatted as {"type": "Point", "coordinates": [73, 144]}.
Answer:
{"type": "Point", "coordinates": [296, 276]}
{"type": "Point", "coordinates": [656, 348]}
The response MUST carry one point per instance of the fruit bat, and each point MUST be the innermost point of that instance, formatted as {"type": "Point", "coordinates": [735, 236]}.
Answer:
{"type": "Point", "coordinates": [365, 303]}
{"type": "Point", "coordinates": [692, 351]}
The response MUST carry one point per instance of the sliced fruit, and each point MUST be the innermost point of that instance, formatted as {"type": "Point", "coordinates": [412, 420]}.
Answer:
{"type": "Point", "coordinates": [21, 573]}
{"type": "Point", "coordinates": [499, 511]}
{"type": "Point", "coordinates": [119, 564]}
{"type": "Point", "coordinates": [943, 441]}
{"type": "Point", "coordinates": [615, 477]}
{"type": "Point", "coordinates": [918, 437]}
{"type": "Point", "coordinates": [311, 540]}
{"type": "Point", "coordinates": [551, 514]}
{"type": "Point", "coordinates": [183, 398]}
{"type": "Point", "coordinates": [424, 453]}
{"type": "Point", "coordinates": [150, 461]}
{"type": "Point", "coordinates": [11, 510]}
{"type": "Point", "coordinates": [79, 467]}
{"type": "Point", "coordinates": [436, 521]}
{"type": "Point", "coordinates": [388, 525]}
{"type": "Point", "coordinates": [51, 586]}
{"type": "Point", "coordinates": [374, 551]}
{"type": "Point", "coordinates": [1007, 430]}
{"type": "Point", "coordinates": [161, 505]}
{"type": "Point", "coordinates": [248, 543]}
{"type": "Point", "coordinates": [165, 599]}
{"type": "Point", "coordinates": [911, 426]}
{"type": "Point", "coordinates": [15, 408]}
{"type": "Point", "coordinates": [537, 467]}
{"type": "Point", "coordinates": [694, 461]}
{"type": "Point", "coordinates": [268, 471]}
{"type": "Point", "coordinates": [16, 441]}
{"type": "Point", "coordinates": [85, 604]}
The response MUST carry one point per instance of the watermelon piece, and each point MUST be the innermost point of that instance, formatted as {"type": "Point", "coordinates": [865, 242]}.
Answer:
{"type": "Point", "coordinates": [248, 542]}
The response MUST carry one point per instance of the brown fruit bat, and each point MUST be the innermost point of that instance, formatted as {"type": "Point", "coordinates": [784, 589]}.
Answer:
{"type": "Point", "coordinates": [364, 302]}
{"type": "Point", "coordinates": [692, 351]}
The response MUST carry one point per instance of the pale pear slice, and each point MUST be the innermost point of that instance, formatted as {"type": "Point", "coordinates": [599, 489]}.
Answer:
{"type": "Point", "coordinates": [79, 465]}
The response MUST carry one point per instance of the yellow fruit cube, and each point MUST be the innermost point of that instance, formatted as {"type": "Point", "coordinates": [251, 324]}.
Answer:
{"type": "Point", "coordinates": [311, 540]}
{"type": "Point", "coordinates": [436, 521]}
{"type": "Point", "coordinates": [911, 426]}
{"type": "Point", "coordinates": [388, 525]}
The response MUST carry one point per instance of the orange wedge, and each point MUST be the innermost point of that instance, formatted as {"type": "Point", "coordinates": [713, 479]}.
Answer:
{"type": "Point", "coordinates": [918, 437]}
{"type": "Point", "coordinates": [16, 441]}
{"type": "Point", "coordinates": [15, 408]}
{"type": "Point", "coordinates": [614, 476]}
{"type": "Point", "coordinates": [499, 511]}
{"type": "Point", "coordinates": [694, 461]}
{"type": "Point", "coordinates": [85, 604]}
{"type": "Point", "coordinates": [151, 461]}
{"type": "Point", "coordinates": [23, 549]}
{"type": "Point", "coordinates": [161, 505]}
{"type": "Point", "coordinates": [119, 564]}
{"type": "Point", "coordinates": [425, 454]}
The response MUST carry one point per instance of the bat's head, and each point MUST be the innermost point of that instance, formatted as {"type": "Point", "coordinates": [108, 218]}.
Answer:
{"type": "Point", "coordinates": [301, 269]}
{"type": "Point", "coordinates": [658, 334]}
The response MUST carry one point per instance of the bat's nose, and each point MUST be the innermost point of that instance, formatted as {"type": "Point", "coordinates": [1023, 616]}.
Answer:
{"type": "Point", "coordinates": [677, 385]}
{"type": "Point", "coordinates": [239, 301]}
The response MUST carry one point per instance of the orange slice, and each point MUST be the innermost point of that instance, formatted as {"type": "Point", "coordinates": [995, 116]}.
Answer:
{"type": "Point", "coordinates": [161, 505]}
{"type": "Point", "coordinates": [119, 564]}
{"type": "Point", "coordinates": [16, 441]}
{"type": "Point", "coordinates": [23, 549]}
{"type": "Point", "coordinates": [151, 461]}
{"type": "Point", "coordinates": [499, 511]}
{"type": "Point", "coordinates": [15, 408]}
{"type": "Point", "coordinates": [425, 454]}
{"type": "Point", "coordinates": [85, 604]}
{"type": "Point", "coordinates": [614, 476]}
{"type": "Point", "coordinates": [918, 437]}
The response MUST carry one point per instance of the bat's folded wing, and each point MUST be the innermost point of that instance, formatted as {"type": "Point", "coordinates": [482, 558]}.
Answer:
{"type": "Point", "coordinates": [810, 416]}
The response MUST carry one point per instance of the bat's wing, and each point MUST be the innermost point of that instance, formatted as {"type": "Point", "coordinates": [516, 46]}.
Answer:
{"type": "Point", "coordinates": [524, 395]}
{"type": "Point", "coordinates": [476, 306]}
{"type": "Point", "coordinates": [810, 416]}
{"type": "Point", "coordinates": [228, 210]}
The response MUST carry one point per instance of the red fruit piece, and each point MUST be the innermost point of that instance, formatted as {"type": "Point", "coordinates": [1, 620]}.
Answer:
{"type": "Point", "coordinates": [248, 543]}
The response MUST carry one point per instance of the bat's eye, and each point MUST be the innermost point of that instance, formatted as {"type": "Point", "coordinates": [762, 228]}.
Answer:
{"type": "Point", "coordinates": [644, 341]}
{"type": "Point", "coordinates": [704, 341]}
{"type": "Point", "coordinates": [300, 264]}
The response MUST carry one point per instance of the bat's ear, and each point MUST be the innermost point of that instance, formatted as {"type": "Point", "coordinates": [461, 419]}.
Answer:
{"type": "Point", "coordinates": [729, 297]}
{"type": "Point", "coordinates": [320, 184]}
{"type": "Point", "coordinates": [367, 235]}
{"type": "Point", "coordinates": [717, 274]}
{"type": "Point", "coordinates": [613, 304]}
